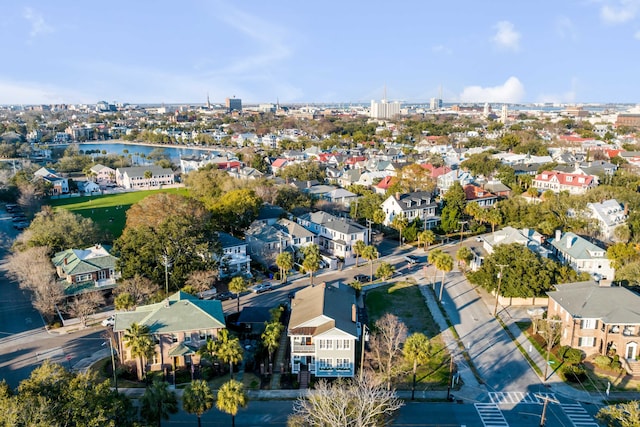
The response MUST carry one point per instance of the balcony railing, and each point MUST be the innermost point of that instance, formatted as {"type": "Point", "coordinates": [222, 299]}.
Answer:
{"type": "Point", "coordinates": [302, 348]}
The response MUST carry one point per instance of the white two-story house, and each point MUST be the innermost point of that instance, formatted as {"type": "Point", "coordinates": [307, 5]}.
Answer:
{"type": "Point", "coordinates": [323, 331]}
{"type": "Point", "coordinates": [235, 260]}
{"type": "Point", "coordinates": [336, 235]}
{"type": "Point", "coordinates": [411, 205]}
{"type": "Point", "coordinates": [144, 176]}
{"type": "Point", "coordinates": [582, 255]}
{"type": "Point", "coordinates": [609, 214]}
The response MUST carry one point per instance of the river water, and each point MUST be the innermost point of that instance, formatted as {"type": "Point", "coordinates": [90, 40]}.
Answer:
{"type": "Point", "coordinates": [135, 150]}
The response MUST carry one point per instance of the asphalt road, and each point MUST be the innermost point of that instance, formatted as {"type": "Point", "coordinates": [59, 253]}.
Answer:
{"type": "Point", "coordinates": [432, 414]}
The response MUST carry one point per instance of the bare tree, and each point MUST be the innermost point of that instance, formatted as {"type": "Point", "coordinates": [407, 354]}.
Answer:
{"type": "Point", "coordinates": [202, 280]}
{"type": "Point", "coordinates": [46, 297]}
{"type": "Point", "coordinates": [83, 306]}
{"type": "Point", "coordinates": [386, 345]}
{"type": "Point", "coordinates": [29, 198]}
{"type": "Point", "coordinates": [31, 268]}
{"type": "Point", "coordinates": [139, 287]}
{"type": "Point", "coordinates": [354, 402]}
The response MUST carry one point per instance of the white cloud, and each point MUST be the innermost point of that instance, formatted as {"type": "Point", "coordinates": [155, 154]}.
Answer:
{"type": "Point", "coordinates": [441, 49]}
{"type": "Point", "coordinates": [568, 96]}
{"type": "Point", "coordinates": [566, 29]}
{"type": "Point", "coordinates": [506, 36]}
{"type": "Point", "coordinates": [511, 91]}
{"type": "Point", "coordinates": [637, 35]}
{"type": "Point", "coordinates": [38, 24]}
{"type": "Point", "coordinates": [624, 11]}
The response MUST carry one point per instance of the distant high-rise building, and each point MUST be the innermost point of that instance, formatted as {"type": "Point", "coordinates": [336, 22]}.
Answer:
{"type": "Point", "coordinates": [505, 113]}
{"type": "Point", "coordinates": [435, 104]}
{"type": "Point", "coordinates": [384, 109]}
{"type": "Point", "coordinates": [233, 104]}
{"type": "Point", "coordinates": [487, 109]}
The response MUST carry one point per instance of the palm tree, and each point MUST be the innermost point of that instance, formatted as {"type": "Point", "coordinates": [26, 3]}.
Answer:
{"type": "Point", "coordinates": [370, 253]}
{"type": "Point", "coordinates": [271, 337]}
{"type": "Point", "coordinates": [427, 237]}
{"type": "Point", "coordinates": [399, 223]}
{"type": "Point", "coordinates": [228, 349]}
{"type": "Point", "coordinates": [198, 398]}
{"type": "Point", "coordinates": [284, 261]}
{"type": "Point", "coordinates": [158, 402]}
{"type": "Point", "coordinates": [464, 255]}
{"type": "Point", "coordinates": [358, 247]}
{"type": "Point", "coordinates": [237, 285]}
{"type": "Point", "coordinates": [141, 345]}
{"type": "Point", "coordinates": [311, 262]}
{"type": "Point", "coordinates": [433, 256]}
{"type": "Point", "coordinates": [416, 350]}
{"type": "Point", "coordinates": [494, 218]}
{"type": "Point", "coordinates": [232, 397]}
{"type": "Point", "coordinates": [444, 263]}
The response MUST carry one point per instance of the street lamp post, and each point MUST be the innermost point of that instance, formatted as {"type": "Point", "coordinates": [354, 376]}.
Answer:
{"type": "Point", "coordinates": [364, 338]}
{"type": "Point", "coordinates": [113, 365]}
{"type": "Point", "coordinates": [166, 261]}
{"type": "Point", "coordinates": [495, 308]}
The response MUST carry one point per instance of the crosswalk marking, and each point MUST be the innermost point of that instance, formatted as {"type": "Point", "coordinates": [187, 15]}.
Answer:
{"type": "Point", "coordinates": [490, 415]}
{"type": "Point", "coordinates": [515, 397]}
{"type": "Point", "coordinates": [577, 415]}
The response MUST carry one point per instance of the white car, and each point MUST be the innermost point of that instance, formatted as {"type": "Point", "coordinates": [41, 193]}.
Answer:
{"type": "Point", "coordinates": [262, 287]}
{"type": "Point", "coordinates": [109, 321]}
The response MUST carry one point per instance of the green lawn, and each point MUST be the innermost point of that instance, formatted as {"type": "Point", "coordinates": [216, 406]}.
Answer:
{"type": "Point", "coordinates": [109, 210]}
{"type": "Point", "coordinates": [405, 300]}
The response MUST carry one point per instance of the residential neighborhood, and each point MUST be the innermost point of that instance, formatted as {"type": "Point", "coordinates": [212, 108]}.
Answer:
{"type": "Point", "coordinates": [278, 256]}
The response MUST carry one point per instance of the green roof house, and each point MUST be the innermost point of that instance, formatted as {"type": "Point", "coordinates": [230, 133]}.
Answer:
{"type": "Point", "coordinates": [179, 326]}
{"type": "Point", "coordinates": [86, 269]}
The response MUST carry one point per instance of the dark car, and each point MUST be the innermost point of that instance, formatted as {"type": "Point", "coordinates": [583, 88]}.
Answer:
{"type": "Point", "coordinates": [362, 278]}
{"type": "Point", "coordinates": [223, 296]}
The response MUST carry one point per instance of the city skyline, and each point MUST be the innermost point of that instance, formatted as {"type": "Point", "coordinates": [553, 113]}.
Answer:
{"type": "Point", "coordinates": [579, 51]}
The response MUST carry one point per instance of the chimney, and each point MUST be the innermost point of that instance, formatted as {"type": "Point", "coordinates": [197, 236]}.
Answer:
{"type": "Point", "coordinates": [569, 242]}
{"type": "Point", "coordinates": [354, 313]}
{"type": "Point", "coordinates": [558, 235]}
{"type": "Point", "coordinates": [66, 261]}
{"type": "Point", "coordinates": [308, 184]}
{"type": "Point", "coordinates": [626, 208]}
{"type": "Point", "coordinates": [397, 195]}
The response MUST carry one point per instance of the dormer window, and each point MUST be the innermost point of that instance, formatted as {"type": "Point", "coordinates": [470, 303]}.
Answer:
{"type": "Point", "coordinates": [569, 179]}
{"type": "Point", "coordinates": [581, 180]}
{"type": "Point", "coordinates": [545, 176]}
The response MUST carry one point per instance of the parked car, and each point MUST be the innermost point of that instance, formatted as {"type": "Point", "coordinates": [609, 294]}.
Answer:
{"type": "Point", "coordinates": [362, 278]}
{"type": "Point", "coordinates": [208, 294]}
{"type": "Point", "coordinates": [223, 296]}
{"type": "Point", "coordinates": [261, 287]}
{"type": "Point", "coordinates": [109, 321]}
{"type": "Point", "coordinates": [411, 259]}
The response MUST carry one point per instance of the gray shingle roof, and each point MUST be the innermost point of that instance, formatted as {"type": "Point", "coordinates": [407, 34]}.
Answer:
{"type": "Point", "coordinates": [613, 305]}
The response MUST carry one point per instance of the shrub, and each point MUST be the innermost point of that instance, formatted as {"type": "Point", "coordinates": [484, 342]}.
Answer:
{"type": "Point", "coordinates": [574, 373]}
{"type": "Point", "coordinates": [602, 361]}
{"type": "Point", "coordinates": [569, 355]}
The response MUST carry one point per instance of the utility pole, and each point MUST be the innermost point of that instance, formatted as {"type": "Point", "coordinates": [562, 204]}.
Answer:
{"type": "Point", "coordinates": [495, 308]}
{"type": "Point", "coordinates": [546, 399]}
{"type": "Point", "coordinates": [462, 223]}
{"type": "Point", "coordinates": [450, 383]}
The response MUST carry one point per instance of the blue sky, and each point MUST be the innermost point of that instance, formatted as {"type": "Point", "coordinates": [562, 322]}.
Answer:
{"type": "Point", "coordinates": [145, 51]}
